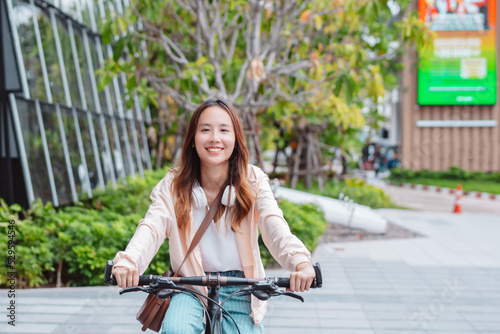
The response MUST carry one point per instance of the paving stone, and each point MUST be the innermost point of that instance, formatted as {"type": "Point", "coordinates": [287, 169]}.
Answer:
{"type": "Point", "coordinates": [487, 326]}
{"type": "Point", "coordinates": [345, 323]}
{"type": "Point", "coordinates": [28, 328]}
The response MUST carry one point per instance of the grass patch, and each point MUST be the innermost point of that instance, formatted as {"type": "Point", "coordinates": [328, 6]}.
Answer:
{"type": "Point", "coordinates": [467, 185]}
{"type": "Point", "coordinates": [470, 181]}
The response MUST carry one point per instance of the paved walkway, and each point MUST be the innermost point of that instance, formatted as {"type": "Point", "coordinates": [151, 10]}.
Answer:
{"type": "Point", "coordinates": [447, 282]}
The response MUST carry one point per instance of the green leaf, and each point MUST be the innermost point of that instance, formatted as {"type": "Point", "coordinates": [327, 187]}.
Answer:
{"type": "Point", "coordinates": [201, 61]}
{"type": "Point", "coordinates": [118, 48]}
{"type": "Point", "coordinates": [102, 83]}
{"type": "Point", "coordinates": [143, 101]}
{"type": "Point", "coordinates": [16, 208]}
{"type": "Point", "coordinates": [106, 32]}
{"type": "Point", "coordinates": [131, 82]}
{"type": "Point", "coordinates": [338, 85]}
{"type": "Point", "coordinates": [318, 22]}
{"type": "Point", "coordinates": [129, 103]}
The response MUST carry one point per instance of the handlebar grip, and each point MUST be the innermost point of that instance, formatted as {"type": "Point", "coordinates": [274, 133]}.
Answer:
{"type": "Point", "coordinates": [318, 281]}
{"type": "Point", "coordinates": [283, 282]}
{"type": "Point", "coordinates": [145, 279]}
{"type": "Point", "coordinates": [110, 280]}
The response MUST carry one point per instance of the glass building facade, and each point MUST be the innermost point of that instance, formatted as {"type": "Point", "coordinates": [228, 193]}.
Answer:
{"type": "Point", "coordinates": [61, 138]}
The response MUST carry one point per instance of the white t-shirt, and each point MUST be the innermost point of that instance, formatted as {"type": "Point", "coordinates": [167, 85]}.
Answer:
{"type": "Point", "coordinates": [219, 251]}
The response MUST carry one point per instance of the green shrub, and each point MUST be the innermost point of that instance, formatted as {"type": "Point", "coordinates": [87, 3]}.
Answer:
{"type": "Point", "coordinates": [306, 221]}
{"type": "Point", "coordinates": [33, 252]}
{"type": "Point", "coordinates": [356, 189]}
{"type": "Point", "coordinates": [454, 173]}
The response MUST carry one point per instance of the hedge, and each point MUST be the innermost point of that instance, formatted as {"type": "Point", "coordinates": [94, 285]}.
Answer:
{"type": "Point", "coordinates": [454, 173]}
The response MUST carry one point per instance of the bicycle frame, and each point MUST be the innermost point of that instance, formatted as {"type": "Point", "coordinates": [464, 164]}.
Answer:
{"type": "Point", "coordinates": [213, 308]}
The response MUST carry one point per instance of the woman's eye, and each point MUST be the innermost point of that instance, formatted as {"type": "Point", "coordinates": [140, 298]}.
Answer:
{"type": "Point", "coordinates": [205, 130]}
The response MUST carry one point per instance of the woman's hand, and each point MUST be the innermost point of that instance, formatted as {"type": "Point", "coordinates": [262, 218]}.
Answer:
{"type": "Point", "coordinates": [302, 278]}
{"type": "Point", "coordinates": [126, 277]}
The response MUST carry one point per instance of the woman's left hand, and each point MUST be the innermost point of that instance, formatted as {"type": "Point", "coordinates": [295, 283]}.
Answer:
{"type": "Point", "coordinates": [302, 278]}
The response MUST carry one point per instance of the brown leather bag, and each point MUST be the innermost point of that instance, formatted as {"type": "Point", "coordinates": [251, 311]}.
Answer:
{"type": "Point", "coordinates": [153, 310]}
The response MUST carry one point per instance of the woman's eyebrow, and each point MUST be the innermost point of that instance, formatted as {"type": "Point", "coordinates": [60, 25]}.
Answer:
{"type": "Point", "coordinates": [221, 125]}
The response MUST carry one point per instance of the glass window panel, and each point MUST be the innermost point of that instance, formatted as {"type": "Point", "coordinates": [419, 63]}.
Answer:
{"type": "Point", "coordinates": [116, 150]}
{"type": "Point", "coordinates": [87, 148]}
{"type": "Point", "coordinates": [71, 7]}
{"type": "Point", "coordinates": [84, 70]}
{"type": "Point", "coordinates": [23, 15]}
{"type": "Point", "coordinates": [106, 162]}
{"type": "Point", "coordinates": [132, 144]}
{"type": "Point", "coordinates": [113, 100]}
{"type": "Point", "coordinates": [109, 7]}
{"type": "Point", "coordinates": [140, 138]}
{"type": "Point", "coordinates": [74, 152]}
{"type": "Point", "coordinates": [86, 12]}
{"type": "Point", "coordinates": [34, 150]}
{"type": "Point", "coordinates": [119, 6]}
{"type": "Point", "coordinates": [51, 59]}
{"type": "Point", "coordinates": [69, 63]}
{"type": "Point", "coordinates": [124, 140]}
{"type": "Point", "coordinates": [97, 15]}
{"type": "Point", "coordinates": [95, 62]}
{"type": "Point", "coordinates": [54, 142]}
{"type": "Point", "coordinates": [121, 91]}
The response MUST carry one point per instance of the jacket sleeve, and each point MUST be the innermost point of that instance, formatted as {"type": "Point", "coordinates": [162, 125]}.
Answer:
{"type": "Point", "coordinates": [285, 247]}
{"type": "Point", "coordinates": [151, 231]}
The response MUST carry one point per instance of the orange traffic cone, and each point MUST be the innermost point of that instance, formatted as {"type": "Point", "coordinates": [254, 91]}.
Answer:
{"type": "Point", "coordinates": [458, 200]}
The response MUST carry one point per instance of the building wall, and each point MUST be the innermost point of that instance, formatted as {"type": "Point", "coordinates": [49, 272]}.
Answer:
{"type": "Point", "coordinates": [471, 148]}
{"type": "Point", "coordinates": [72, 139]}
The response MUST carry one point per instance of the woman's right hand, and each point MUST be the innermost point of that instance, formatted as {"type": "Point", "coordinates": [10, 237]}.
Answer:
{"type": "Point", "coordinates": [126, 277]}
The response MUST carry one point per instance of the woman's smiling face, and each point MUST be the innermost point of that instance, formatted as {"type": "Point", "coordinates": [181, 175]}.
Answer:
{"type": "Point", "coordinates": [214, 138]}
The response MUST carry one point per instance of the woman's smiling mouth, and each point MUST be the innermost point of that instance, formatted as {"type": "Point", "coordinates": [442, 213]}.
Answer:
{"type": "Point", "coordinates": [214, 149]}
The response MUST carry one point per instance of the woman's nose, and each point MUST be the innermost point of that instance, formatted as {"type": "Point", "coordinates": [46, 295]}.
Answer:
{"type": "Point", "coordinates": [215, 136]}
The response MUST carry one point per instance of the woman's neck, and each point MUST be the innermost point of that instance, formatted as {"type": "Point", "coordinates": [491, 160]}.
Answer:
{"type": "Point", "coordinates": [213, 178]}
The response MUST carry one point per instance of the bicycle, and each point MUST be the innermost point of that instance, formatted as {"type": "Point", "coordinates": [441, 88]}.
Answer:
{"type": "Point", "coordinates": [261, 288]}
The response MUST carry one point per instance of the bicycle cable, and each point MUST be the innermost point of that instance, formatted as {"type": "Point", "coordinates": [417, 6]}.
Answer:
{"type": "Point", "coordinates": [211, 322]}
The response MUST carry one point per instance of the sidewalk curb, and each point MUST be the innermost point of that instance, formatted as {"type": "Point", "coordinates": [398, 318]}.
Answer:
{"type": "Point", "coordinates": [444, 190]}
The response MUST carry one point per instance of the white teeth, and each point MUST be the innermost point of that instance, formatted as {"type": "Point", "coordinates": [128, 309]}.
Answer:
{"type": "Point", "coordinates": [214, 149]}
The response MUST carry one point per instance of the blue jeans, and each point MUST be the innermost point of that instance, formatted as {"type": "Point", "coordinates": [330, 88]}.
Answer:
{"type": "Point", "coordinates": [185, 313]}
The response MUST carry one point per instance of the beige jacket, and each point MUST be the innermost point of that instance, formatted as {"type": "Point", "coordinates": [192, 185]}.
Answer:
{"type": "Point", "coordinates": [160, 223]}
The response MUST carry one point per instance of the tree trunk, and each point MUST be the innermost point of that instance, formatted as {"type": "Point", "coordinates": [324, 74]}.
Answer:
{"type": "Point", "coordinates": [308, 162]}
{"type": "Point", "coordinates": [162, 112]}
{"type": "Point", "coordinates": [249, 120]}
{"type": "Point", "coordinates": [59, 272]}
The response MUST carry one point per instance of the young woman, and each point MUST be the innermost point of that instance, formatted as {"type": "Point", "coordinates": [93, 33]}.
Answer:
{"type": "Point", "coordinates": [214, 151]}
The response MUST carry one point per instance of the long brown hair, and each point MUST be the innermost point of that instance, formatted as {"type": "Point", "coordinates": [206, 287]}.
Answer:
{"type": "Point", "coordinates": [188, 171]}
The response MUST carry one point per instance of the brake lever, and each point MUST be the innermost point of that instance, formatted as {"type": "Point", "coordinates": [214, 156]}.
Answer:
{"type": "Point", "coordinates": [266, 289]}
{"type": "Point", "coordinates": [134, 289]}
{"type": "Point", "coordinates": [291, 294]}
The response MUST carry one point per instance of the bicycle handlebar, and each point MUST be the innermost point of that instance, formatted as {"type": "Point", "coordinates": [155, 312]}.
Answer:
{"type": "Point", "coordinates": [213, 280]}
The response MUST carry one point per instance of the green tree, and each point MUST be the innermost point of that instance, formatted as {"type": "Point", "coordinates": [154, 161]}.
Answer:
{"type": "Point", "coordinates": [298, 62]}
